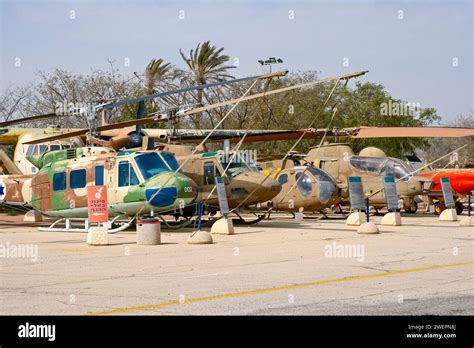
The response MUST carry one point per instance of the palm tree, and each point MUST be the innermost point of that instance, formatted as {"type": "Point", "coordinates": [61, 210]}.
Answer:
{"type": "Point", "coordinates": [155, 72]}
{"type": "Point", "coordinates": [207, 65]}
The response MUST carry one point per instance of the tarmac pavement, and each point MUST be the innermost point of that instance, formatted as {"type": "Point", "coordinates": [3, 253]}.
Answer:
{"type": "Point", "coordinates": [278, 266]}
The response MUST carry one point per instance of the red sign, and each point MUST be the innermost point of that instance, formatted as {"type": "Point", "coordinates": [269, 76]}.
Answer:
{"type": "Point", "coordinates": [97, 203]}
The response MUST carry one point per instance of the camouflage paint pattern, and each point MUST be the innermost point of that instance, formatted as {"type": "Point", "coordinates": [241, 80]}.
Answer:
{"type": "Point", "coordinates": [37, 190]}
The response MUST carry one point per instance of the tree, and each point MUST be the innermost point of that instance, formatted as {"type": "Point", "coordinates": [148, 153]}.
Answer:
{"type": "Point", "coordinates": [442, 146]}
{"type": "Point", "coordinates": [155, 72]}
{"type": "Point", "coordinates": [207, 64]}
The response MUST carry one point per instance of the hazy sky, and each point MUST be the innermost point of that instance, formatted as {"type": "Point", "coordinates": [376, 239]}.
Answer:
{"type": "Point", "coordinates": [411, 47]}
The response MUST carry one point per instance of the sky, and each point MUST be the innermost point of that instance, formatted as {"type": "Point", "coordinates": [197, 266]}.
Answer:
{"type": "Point", "coordinates": [421, 51]}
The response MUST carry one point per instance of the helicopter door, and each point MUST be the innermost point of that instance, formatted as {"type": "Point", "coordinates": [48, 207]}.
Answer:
{"type": "Point", "coordinates": [126, 176]}
{"type": "Point", "coordinates": [291, 197]}
{"type": "Point", "coordinates": [209, 180]}
{"type": "Point", "coordinates": [42, 191]}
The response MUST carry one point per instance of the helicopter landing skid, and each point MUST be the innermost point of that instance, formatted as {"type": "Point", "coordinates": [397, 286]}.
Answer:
{"type": "Point", "coordinates": [175, 225]}
{"type": "Point", "coordinates": [83, 225]}
{"type": "Point", "coordinates": [242, 221]}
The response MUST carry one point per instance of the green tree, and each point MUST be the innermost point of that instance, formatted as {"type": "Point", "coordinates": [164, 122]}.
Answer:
{"type": "Point", "coordinates": [207, 64]}
{"type": "Point", "coordinates": [155, 72]}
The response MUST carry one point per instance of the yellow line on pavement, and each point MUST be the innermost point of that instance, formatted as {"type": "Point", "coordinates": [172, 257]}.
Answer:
{"type": "Point", "coordinates": [279, 288]}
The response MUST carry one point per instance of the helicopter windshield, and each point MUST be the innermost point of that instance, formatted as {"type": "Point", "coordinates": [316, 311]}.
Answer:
{"type": "Point", "coordinates": [151, 164]}
{"type": "Point", "coordinates": [238, 165]}
{"type": "Point", "coordinates": [320, 175]}
{"type": "Point", "coordinates": [381, 166]}
{"type": "Point", "coordinates": [396, 168]}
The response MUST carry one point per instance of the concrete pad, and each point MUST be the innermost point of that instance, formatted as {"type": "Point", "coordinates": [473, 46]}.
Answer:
{"type": "Point", "coordinates": [200, 237]}
{"type": "Point", "coordinates": [368, 228]}
{"type": "Point", "coordinates": [223, 226]}
{"type": "Point", "coordinates": [392, 219]}
{"type": "Point", "coordinates": [448, 215]}
{"type": "Point", "coordinates": [98, 235]}
{"type": "Point", "coordinates": [149, 233]}
{"type": "Point", "coordinates": [355, 219]}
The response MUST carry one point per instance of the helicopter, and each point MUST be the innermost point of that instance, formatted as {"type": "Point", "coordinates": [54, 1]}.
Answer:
{"type": "Point", "coordinates": [371, 165]}
{"type": "Point", "coordinates": [138, 182]}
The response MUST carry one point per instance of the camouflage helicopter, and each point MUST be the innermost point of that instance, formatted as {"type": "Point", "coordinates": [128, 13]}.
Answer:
{"type": "Point", "coordinates": [140, 182]}
{"type": "Point", "coordinates": [304, 188]}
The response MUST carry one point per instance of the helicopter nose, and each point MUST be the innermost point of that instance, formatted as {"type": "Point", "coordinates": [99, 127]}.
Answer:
{"type": "Point", "coordinates": [328, 191]}
{"type": "Point", "coordinates": [420, 184]}
{"type": "Point", "coordinates": [261, 187]}
{"type": "Point", "coordinates": [187, 189]}
{"type": "Point", "coordinates": [426, 183]}
{"type": "Point", "coordinates": [163, 191]}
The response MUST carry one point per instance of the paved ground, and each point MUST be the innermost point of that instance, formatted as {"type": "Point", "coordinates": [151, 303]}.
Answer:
{"type": "Point", "coordinates": [276, 267]}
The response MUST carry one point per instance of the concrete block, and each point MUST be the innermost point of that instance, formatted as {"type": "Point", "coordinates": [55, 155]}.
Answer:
{"type": "Point", "coordinates": [33, 216]}
{"type": "Point", "coordinates": [200, 237]}
{"type": "Point", "coordinates": [467, 221]}
{"type": "Point", "coordinates": [392, 219]}
{"type": "Point", "coordinates": [368, 228]}
{"type": "Point", "coordinates": [355, 219]}
{"type": "Point", "coordinates": [98, 235]}
{"type": "Point", "coordinates": [223, 226]}
{"type": "Point", "coordinates": [148, 232]}
{"type": "Point", "coordinates": [448, 215]}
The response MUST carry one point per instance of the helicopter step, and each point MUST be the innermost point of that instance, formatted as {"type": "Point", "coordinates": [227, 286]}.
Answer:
{"type": "Point", "coordinates": [83, 225]}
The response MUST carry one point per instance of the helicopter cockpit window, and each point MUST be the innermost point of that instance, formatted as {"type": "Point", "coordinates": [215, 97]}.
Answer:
{"type": "Point", "coordinates": [55, 147]}
{"type": "Point", "coordinates": [152, 163]}
{"type": "Point", "coordinates": [43, 149]}
{"type": "Point", "coordinates": [170, 160]}
{"type": "Point", "coordinates": [396, 168]}
{"type": "Point", "coordinates": [126, 175]}
{"type": "Point", "coordinates": [31, 150]}
{"type": "Point", "coordinates": [304, 183]}
{"type": "Point", "coordinates": [235, 165]}
{"type": "Point", "coordinates": [283, 179]}
{"type": "Point", "coordinates": [320, 175]}
{"type": "Point", "coordinates": [367, 164]}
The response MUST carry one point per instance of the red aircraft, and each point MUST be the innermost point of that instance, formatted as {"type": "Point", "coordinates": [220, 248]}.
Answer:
{"type": "Point", "coordinates": [462, 183]}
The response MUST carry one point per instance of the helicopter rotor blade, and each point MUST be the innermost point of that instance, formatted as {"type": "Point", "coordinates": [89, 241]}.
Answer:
{"type": "Point", "coordinates": [78, 133]}
{"type": "Point", "coordinates": [29, 119]}
{"type": "Point", "coordinates": [84, 131]}
{"type": "Point", "coordinates": [188, 89]}
{"type": "Point", "coordinates": [413, 132]}
{"type": "Point", "coordinates": [274, 91]}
